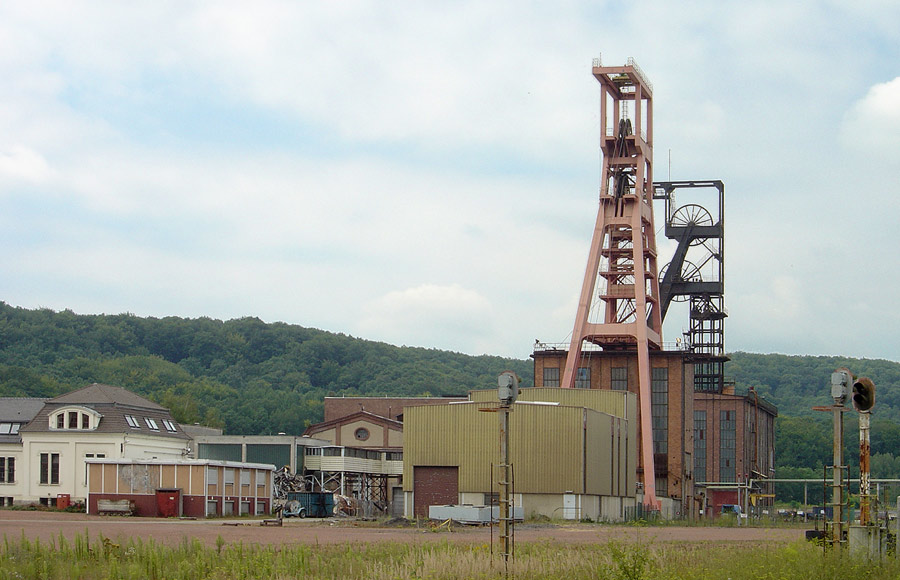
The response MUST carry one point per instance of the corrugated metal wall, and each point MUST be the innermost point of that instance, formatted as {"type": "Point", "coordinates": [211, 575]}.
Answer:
{"type": "Point", "coordinates": [554, 449]}
{"type": "Point", "coordinates": [603, 400]}
{"type": "Point", "coordinates": [277, 455]}
{"type": "Point", "coordinates": [219, 451]}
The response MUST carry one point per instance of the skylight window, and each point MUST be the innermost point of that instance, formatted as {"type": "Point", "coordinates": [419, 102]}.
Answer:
{"type": "Point", "coordinates": [132, 422]}
{"type": "Point", "coordinates": [151, 423]}
{"type": "Point", "coordinates": [170, 426]}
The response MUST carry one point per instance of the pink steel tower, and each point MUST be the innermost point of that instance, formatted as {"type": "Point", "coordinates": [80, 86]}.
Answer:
{"type": "Point", "coordinates": [621, 270]}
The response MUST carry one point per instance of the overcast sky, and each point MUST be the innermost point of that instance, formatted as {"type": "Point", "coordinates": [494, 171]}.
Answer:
{"type": "Point", "coordinates": [426, 173]}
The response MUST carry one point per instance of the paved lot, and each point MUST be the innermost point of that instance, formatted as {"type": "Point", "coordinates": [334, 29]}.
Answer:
{"type": "Point", "coordinates": [46, 525]}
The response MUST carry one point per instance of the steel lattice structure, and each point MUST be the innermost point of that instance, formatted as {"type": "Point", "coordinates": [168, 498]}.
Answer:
{"type": "Point", "coordinates": [697, 274]}
{"type": "Point", "coordinates": [621, 271]}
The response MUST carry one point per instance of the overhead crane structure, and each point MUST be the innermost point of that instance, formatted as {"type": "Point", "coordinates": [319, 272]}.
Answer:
{"type": "Point", "coordinates": [696, 273]}
{"type": "Point", "coordinates": [621, 271]}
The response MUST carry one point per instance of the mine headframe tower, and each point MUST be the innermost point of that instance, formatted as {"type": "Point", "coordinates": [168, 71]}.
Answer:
{"type": "Point", "coordinates": [621, 271]}
{"type": "Point", "coordinates": [696, 274]}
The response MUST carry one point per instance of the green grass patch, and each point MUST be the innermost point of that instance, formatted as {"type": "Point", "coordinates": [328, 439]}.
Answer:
{"type": "Point", "coordinates": [104, 558]}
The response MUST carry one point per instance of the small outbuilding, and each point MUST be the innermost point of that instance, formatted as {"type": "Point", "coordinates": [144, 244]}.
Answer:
{"type": "Point", "coordinates": [194, 488]}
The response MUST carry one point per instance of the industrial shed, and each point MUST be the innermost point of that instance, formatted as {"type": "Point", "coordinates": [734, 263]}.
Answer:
{"type": "Point", "coordinates": [573, 453]}
{"type": "Point", "coordinates": [195, 488]}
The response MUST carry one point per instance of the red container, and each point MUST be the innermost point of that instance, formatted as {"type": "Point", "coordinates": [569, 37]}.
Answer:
{"type": "Point", "coordinates": [63, 501]}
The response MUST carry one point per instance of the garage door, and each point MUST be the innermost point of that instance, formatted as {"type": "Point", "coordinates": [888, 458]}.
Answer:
{"type": "Point", "coordinates": [434, 486]}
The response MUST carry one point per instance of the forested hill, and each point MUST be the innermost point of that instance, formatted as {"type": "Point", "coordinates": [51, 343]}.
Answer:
{"type": "Point", "coordinates": [251, 377]}
{"type": "Point", "coordinates": [795, 384]}
{"type": "Point", "coordinates": [245, 375]}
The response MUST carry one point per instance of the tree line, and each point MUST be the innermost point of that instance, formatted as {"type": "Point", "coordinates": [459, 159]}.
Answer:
{"type": "Point", "coordinates": [243, 375]}
{"type": "Point", "coordinates": [252, 377]}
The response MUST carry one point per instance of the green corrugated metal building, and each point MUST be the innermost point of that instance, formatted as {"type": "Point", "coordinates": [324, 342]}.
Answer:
{"type": "Point", "coordinates": [573, 452]}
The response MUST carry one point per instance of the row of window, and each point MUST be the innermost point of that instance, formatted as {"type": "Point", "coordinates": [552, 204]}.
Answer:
{"type": "Point", "coordinates": [151, 423]}
{"type": "Point", "coordinates": [618, 379]}
{"type": "Point", "coordinates": [9, 428]}
{"type": "Point", "coordinates": [72, 420]}
{"type": "Point", "coordinates": [212, 473]}
{"type": "Point", "coordinates": [727, 445]}
{"type": "Point", "coordinates": [358, 453]}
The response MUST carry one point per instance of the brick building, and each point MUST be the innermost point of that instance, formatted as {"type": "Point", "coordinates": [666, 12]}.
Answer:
{"type": "Point", "coordinates": [672, 388]}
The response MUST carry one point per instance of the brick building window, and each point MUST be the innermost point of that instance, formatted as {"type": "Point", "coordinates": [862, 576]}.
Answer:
{"type": "Point", "coordinates": [618, 378]}
{"type": "Point", "coordinates": [583, 378]}
{"type": "Point", "coordinates": [551, 377]}
{"type": "Point", "coordinates": [727, 445]}
{"type": "Point", "coordinates": [700, 446]}
{"type": "Point", "coordinates": [659, 408]}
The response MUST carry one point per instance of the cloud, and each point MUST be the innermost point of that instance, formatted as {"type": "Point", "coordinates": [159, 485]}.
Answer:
{"type": "Point", "coordinates": [872, 125]}
{"type": "Point", "coordinates": [20, 163]}
{"type": "Point", "coordinates": [412, 316]}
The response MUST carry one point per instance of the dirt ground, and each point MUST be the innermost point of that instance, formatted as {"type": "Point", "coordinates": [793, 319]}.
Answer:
{"type": "Point", "coordinates": [47, 525]}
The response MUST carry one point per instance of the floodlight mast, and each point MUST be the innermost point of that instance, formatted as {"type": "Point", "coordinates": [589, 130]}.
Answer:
{"type": "Point", "coordinates": [623, 246]}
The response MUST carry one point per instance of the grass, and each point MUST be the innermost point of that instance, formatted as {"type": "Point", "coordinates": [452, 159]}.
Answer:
{"type": "Point", "coordinates": [103, 558]}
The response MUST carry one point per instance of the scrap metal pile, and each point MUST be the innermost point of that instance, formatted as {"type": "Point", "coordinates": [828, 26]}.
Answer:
{"type": "Point", "coordinates": [286, 482]}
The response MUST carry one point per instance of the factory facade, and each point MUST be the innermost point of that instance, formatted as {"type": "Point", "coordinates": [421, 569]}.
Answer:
{"type": "Point", "coordinates": [573, 453]}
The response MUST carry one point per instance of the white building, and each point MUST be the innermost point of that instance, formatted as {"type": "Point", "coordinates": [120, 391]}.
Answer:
{"type": "Point", "coordinates": [48, 452]}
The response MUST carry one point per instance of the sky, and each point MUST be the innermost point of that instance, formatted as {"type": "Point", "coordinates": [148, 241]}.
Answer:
{"type": "Point", "coordinates": [427, 173]}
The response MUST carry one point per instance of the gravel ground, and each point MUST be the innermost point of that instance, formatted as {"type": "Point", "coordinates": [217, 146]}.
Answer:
{"type": "Point", "coordinates": [47, 525]}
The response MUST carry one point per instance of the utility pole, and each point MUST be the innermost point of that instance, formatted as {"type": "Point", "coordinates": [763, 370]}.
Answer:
{"type": "Point", "coordinates": [841, 381]}
{"type": "Point", "coordinates": [508, 391]}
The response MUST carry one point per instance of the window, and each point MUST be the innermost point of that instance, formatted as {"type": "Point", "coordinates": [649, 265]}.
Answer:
{"type": "Point", "coordinates": [583, 378]}
{"type": "Point", "coordinates": [73, 419]}
{"type": "Point", "coordinates": [170, 426]}
{"type": "Point", "coordinates": [551, 377]}
{"type": "Point", "coordinates": [229, 475]}
{"type": "Point", "coordinates": [727, 440]}
{"type": "Point", "coordinates": [245, 477]}
{"type": "Point", "coordinates": [618, 378]}
{"type": "Point", "coordinates": [5, 428]}
{"type": "Point", "coordinates": [7, 469]}
{"type": "Point", "coordinates": [700, 445]}
{"type": "Point", "coordinates": [132, 422]}
{"type": "Point", "coordinates": [85, 421]}
{"type": "Point", "coordinates": [659, 408]}
{"type": "Point", "coordinates": [61, 421]}
{"type": "Point", "coordinates": [151, 423]}
{"type": "Point", "coordinates": [260, 478]}
{"type": "Point", "coordinates": [361, 434]}
{"type": "Point", "coordinates": [50, 468]}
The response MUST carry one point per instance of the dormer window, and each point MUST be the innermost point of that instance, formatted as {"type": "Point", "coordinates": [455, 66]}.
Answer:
{"type": "Point", "coordinates": [80, 418]}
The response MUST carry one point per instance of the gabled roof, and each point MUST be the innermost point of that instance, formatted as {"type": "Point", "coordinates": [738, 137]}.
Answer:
{"type": "Point", "coordinates": [358, 416]}
{"type": "Point", "coordinates": [19, 409]}
{"type": "Point", "coordinates": [121, 411]}
{"type": "Point", "coordinates": [108, 394]}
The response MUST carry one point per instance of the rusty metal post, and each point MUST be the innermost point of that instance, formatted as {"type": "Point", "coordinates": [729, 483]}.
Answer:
{"type": "Point", "coordinates": [837, 486]}
{"type": "Point", "coordinates": [505, 533]}
{"type": "Point", "coordinates": [864, 485]}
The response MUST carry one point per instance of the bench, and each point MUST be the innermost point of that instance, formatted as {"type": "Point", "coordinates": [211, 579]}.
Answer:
{"type": "Point", "coordinates": [122, 507]}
